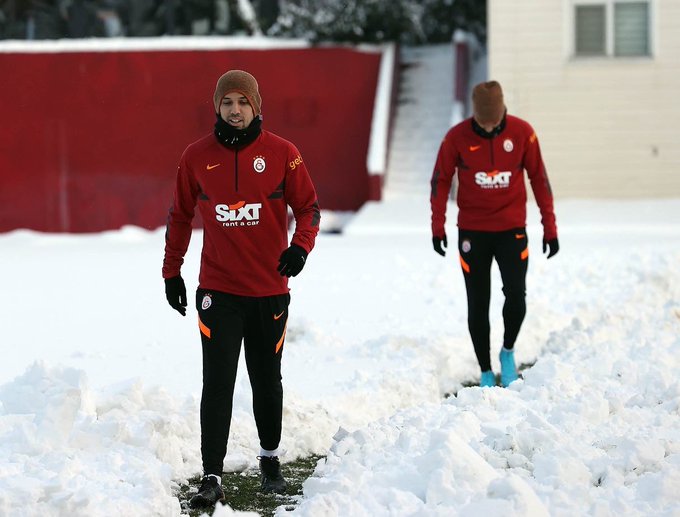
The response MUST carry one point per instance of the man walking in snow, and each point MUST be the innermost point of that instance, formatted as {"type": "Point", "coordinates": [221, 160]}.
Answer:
{"type": "Point", "coordinates": [490, 152]}
{"type": "Point", "coordinates": [242, 178]}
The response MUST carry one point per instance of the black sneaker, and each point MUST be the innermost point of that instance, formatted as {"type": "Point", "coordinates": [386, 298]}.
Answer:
{"type": "Point", "coordinates": [208, 494]}
{"type": "Point", "coordinates": [272, 480]}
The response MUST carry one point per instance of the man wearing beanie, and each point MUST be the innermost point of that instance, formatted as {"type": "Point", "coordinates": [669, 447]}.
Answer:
{"type": "Point", "coordinates": [242, 179]}
{"type": "Point", "coordinates": [489, 153]}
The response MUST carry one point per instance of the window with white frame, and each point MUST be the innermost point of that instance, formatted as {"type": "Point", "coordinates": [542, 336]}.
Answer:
{"type": "Point", "coordinates": [615, 28]}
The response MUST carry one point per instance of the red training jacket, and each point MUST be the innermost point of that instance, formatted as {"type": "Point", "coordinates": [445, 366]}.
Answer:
{"type": "Point", "coordinates": [491, 191]}
{"type": "Point", "coordinates": [243, 198]}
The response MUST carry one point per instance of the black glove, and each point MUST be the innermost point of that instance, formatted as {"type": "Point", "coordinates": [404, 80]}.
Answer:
{"type": "Point", "coordinates": [554, 246]}
{"type": "Point", "coordinates": [292, 260]}
{"type": "Point", "coordinates": [176, 293]}
{"type": "Point", "coordinates": [437, 244]}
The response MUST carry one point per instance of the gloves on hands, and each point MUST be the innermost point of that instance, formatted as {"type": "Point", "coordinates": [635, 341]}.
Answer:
{"type": "Point", "coordinates": [554, 246]}
{"type": "Point", "coordinates": [292, 260]}
{"type": "Point", "coordinates": [437, 244]}
{"type": "Point", "coordinates": [176, 294]}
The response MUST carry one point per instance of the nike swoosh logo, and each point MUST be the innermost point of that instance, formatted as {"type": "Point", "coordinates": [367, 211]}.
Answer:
{"type": "Point", "coordinates": [473, 148]}
{"type": "Point", "coordinates": [519, 236]}
{"type": "Point", "coordinates": [278, 316]}
{"type": "Point", "coordinates": [211, 167]}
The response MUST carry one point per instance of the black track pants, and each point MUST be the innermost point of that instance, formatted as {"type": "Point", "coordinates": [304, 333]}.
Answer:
{"type": "Point", "coordinates": [477, 251]}
{"type": "Point", "coordinates": [224, 321]}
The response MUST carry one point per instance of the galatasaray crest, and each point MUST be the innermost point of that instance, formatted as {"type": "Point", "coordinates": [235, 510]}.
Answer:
{"type": "Point", "coordinates": [259, 164]}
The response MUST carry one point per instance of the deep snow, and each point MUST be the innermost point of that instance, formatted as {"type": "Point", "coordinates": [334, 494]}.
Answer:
{"type": "Point", "coordinates": [100, 379]}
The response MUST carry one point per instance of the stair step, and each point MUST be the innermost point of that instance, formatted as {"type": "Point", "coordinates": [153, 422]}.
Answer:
{"type": "Point", "coordinates": [422, 119]}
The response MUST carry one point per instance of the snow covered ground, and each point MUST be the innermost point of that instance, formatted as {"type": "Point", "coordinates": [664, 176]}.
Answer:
{"type": "Point", "coordinates": [100, 379]}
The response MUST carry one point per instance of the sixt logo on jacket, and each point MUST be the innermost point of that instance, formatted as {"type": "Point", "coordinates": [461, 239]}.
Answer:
{"type": "Point", "coordinates": [493, 179]}
{"type": "Point", "coordinates": [238, 214]}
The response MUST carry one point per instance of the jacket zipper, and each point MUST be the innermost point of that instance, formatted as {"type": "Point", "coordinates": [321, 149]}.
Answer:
{"type": "Point", "coordinates": [236, 169]}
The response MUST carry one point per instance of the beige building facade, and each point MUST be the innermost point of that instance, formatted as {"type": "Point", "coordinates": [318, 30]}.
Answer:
{"type": "Point", "coordinates": [600, 82]}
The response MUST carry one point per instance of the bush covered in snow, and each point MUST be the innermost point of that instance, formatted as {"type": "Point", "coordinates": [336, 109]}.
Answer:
{"type": "Point", "coordinates": [405, 21]}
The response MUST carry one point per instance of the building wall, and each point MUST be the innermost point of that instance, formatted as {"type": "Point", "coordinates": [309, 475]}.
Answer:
{"type": "Point", "coordinates": [608, 127]}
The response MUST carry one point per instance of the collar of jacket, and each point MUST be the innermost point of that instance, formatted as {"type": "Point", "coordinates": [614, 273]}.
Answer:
{"type": "Point", "coordinates": [489, 134]}
{"type": "Point", "coordinates": [235, 138]}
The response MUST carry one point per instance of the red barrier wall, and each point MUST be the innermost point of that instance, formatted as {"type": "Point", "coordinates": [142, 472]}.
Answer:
{"type": "Point", "coordinates": [90, 140]}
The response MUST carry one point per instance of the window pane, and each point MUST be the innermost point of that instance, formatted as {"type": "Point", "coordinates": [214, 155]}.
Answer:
{"type": "Point", "coordinates": [631, 29]}
{"type": "Point", "coordinates": [590, 30]}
